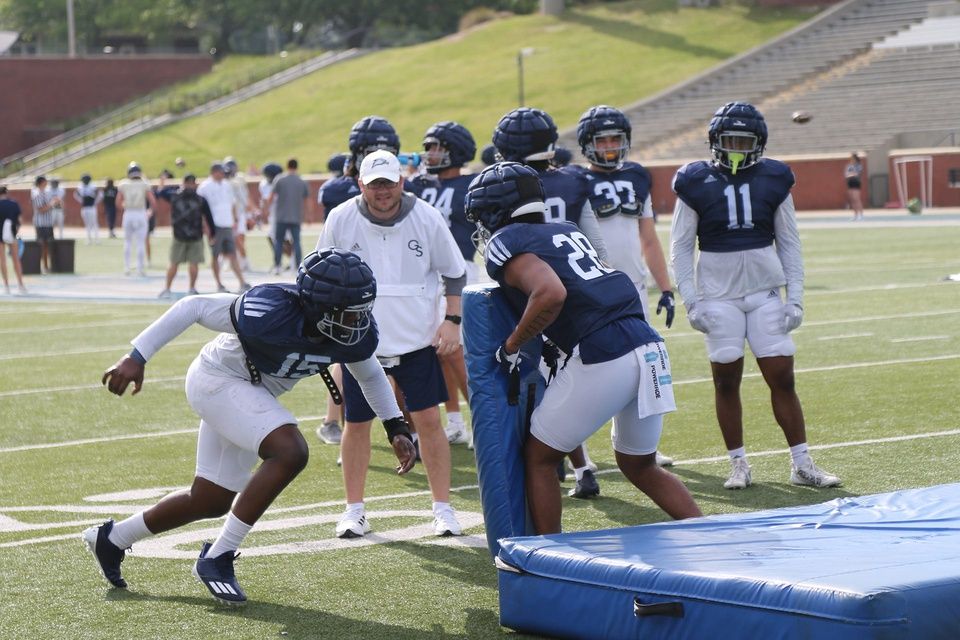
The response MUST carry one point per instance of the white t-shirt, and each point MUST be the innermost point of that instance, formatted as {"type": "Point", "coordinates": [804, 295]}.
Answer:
{"type": "Point", "coordinates": [621, 236]}
{"type": "Point", "coordinates": [407, 260]}
{"type": "Point", "coordinates": [735, 274]}
{"type": "Point", "coordinates": [219, 196]}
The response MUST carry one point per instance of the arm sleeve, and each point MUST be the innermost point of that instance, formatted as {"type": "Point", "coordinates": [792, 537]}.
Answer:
{"type": "Point", "coordinates": [454, 286]}
{"type": "Point", "coordinates": [211, 311]}
{"type": "Point", "coordinates": [375, 386]}
{"type": "Point", "coordinates": [683, 240]}
{"type": "Point", "coordinates": [788, 249]}
{"type": "Point", "coordinates": [591, 228]}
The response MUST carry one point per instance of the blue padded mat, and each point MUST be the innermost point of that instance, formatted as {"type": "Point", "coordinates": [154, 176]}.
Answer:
{"type": "Point", "coordinates": [880, 566]}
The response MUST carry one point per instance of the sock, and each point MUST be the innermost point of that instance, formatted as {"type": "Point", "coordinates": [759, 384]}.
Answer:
{"type": "Point", "coordinates": [440, 506]}
{"type": "Point", "coordinates": [414, 437]}
{"type": "Point", "coordinates": [737, 453]}
{"type": "Point", "coordinates": [355, 508]}
{"type": "Point", "coordinates": [579, 472]}
{"type": "Point", "coordinates": [232, 533]}
{"type": "Point", "coordinates": [126, 532]}
{"type": "Point", "coordinates": [799, 453]}
{"type": "Point", "coordinates": [454, 417]}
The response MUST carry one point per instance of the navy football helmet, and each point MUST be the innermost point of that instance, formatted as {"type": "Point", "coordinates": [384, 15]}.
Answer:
{"type": "Point", "coordinates": [456, 146]}
{"type": "Point", "coordinates": [524, 135]}
{"type": "Point", "coordinates": [738, 135]}
{"type": "Point", "coordinates": [602, 122]}
{"type": "Point", "coordinates": [501, 193]}
{"type": "Point", "coordinates": [561, 157]}
{"type": "Point", "coordinates": [370, 134]}
{"type": "Point", "coordinates": [337, 290]}
{"type": "Point", "coordinates": [271, 170]}
{"type": "Point", "coordinates": [85, 178]}
{"type": "Point", "coordinates": [489, 155]}
{"type": "Point", "coordinates": [134, 170]}
{"type": "Point", "coordinates": [336, 163]}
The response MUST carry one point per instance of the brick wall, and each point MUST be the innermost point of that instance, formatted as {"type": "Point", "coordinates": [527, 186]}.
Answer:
{"type": "Point", "coordinates": [43, 90]}
{"type": "Point", "coordinates": [942, 160]}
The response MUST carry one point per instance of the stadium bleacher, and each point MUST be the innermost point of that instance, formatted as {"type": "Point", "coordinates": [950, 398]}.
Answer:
{"type": "Point", "coordinates": [867, 70]}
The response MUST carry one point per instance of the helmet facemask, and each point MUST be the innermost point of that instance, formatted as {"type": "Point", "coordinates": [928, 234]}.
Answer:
{"type": "Point", "coordinates": [599, 152]}
{"type": "Point", "coordinates": [735, 150]}
{"type": "Point", "coordinates": [436, 155]}
{"type": "Point", "coordinates": [346, 326]}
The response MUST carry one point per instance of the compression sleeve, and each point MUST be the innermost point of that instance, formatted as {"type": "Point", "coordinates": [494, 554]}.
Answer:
{"type": "Point", "coordinates": [683, 240]}
{"type": "Point", "coordinates": [211, 311]}
{"type": "Point", "coordinates": [788, 249]}
{"type": "Point", "coordinates": [375, 386]}
{"type": "Point", "coordinates": [591, 229]}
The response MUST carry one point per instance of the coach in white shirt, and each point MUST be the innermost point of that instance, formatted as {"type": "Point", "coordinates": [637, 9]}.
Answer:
{"type": "Point", "coordinates": [219, 194]}
{"type": "Point", "coordinates": [409, 247]}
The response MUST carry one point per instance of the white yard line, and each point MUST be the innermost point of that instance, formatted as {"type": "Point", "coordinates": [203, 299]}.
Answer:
{"type": "Point", "coordinates": [846, 336]}
{"type": "Point", "coordinates": [920, 339]}
{"type": "Point", "coordinates": [75, 352]}
{"type": "Point", "coordinates": [79, 387]}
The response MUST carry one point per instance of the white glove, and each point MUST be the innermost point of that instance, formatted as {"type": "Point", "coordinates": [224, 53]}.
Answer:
{"type": "Point", "coordinates": [698, 320]}
{"type": "Point", "coordinates": [792, 316]}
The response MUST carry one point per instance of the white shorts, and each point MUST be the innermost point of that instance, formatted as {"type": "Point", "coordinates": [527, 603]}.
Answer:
{"type": "Point", "coordinates": [635, 390]}
{"type": "Point", "coordinates": [235, 417]}
{"type": "Point", "coordinates": [6, 234]}
{"type": "Point", "coordinates": [756, 318]}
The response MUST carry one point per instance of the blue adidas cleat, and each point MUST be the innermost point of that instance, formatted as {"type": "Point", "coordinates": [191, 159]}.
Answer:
{"type": "Point", "coordinates": [108, 555]}
{"type": "Point", "coordinates": [218, 577]}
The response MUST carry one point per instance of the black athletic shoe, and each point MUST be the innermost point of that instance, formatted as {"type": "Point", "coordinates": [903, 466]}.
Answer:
{"type": "Point", "coordinates": [108, 555]}
{"type": "Point", "coordinates": [587, 486]}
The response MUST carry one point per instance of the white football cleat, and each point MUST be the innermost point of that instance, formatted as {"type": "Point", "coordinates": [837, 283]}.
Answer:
{"type": "Point", "coordinates": [810, 475]}
{"type": "Point", "coordinates": [739, 474]}
{"type": "Point", "coordinates": [457, 433]}
{"type": "Point", "coordinates": [664, 461]}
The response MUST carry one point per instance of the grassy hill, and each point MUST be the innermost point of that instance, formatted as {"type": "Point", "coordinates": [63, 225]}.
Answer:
{"type": "Point", "coordinates": [612, 53]}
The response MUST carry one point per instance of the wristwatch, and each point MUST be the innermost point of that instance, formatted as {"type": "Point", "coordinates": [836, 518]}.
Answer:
{"type": "Point", "coordinates": [453, 319]}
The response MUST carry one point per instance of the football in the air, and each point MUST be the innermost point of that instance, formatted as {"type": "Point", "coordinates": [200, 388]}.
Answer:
{"type": "Point", "coordinates": [801, 117]}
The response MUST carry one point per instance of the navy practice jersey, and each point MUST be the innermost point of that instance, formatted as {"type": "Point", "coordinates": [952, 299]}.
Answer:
{"type": "Point", "coordinates": [602, 312]}
{"type": "Point", "coordinates": [448, 197]}
{"type": "Point", "coordinates": [336, 191]}
{"type": "Point", "coordinates": [270, 325]}
{"type": "Point", "coordinates": [566, 192]}
{"type": "Point", "coordinates": [736, 211]}
{"type": "Point", "coordinates": [623, 190]}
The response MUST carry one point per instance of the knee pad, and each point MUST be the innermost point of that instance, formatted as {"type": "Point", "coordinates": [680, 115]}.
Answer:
{"type": "Point", "coordinates": [724, 354]}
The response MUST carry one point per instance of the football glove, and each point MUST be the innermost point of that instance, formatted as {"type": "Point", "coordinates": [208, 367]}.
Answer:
{"type": "Point", "coordinates": [698, 320]}
{"type": "Point", "coordinates": [509, 364]}
{"type": "Point", "coordinates": [551, 358]}
{"type": "Point", "coordinates": [666, 302]}
{"type": "Point", "coordinates": [792, 316]}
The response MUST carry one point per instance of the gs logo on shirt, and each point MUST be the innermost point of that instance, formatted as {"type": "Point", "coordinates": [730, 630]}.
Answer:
{"type": "Point", "coordinates": [414, 245]}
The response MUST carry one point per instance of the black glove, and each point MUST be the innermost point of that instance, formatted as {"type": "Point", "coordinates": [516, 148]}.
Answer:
{"type": "Point", "coordinates": [510, 365]}
{"type": "Point", "coordinates": [551, 357]}
{"type": "Point", "coordinates": [666, 302]}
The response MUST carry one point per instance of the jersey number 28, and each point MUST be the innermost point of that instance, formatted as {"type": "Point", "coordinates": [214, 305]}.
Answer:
{"type": "Point", "coordinates": [580, 250]}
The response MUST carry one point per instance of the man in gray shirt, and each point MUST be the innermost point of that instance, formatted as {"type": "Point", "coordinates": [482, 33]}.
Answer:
{"type": "Point", "coordinates": [290, 193]}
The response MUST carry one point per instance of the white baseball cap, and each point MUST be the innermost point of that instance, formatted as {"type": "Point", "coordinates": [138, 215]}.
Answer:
{"type": "Point", "coordinates": [379, 164]}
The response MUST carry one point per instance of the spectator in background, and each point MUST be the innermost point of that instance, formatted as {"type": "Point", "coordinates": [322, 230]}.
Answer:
{"type": "Point", "coordinates": [57, 194]}
{"type": "Point", "coordinates": [110, 206]}
{"type": "Point", "coordinates": [162, 191]}
{"type": "Point", "coordinates": [853, 173]}
{"type": "Point", "coordinates": [42, 219]}
{"type": "Point", "coordinates": [188, 210]}
{"type": "Point", "coordinates": [9, 225]}
{"type": "Point", "coordinates": [244, 209]}
{"type": "Point", "coordinates": [290, 194]}
{"type": "Point", "coordinates": [268, 209]}
{"type": "Point", "coordinates": [133, 197]}
{"type": "Point", "coordinates": [88, 197]}
{"type": "Point", "coordinates": [410, 250]}
{"type": "Point", "coordinates": [218, 193]}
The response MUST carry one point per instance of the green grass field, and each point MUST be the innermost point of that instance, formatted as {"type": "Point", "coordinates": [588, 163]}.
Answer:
{"type": "Point", "coordinates": [611, 53]}
{"type": "Point", "coordinates": [878, 359]}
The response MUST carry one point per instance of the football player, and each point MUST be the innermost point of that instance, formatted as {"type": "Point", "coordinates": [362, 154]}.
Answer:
{"type": "Point", "coordinates": [447, 147]}
{"type": "Point", "coordinates": [620, 198]}
{"type": "Point", "coordinates": [552, 276]}
{"type": "Point", "coordinates": [529, 136]}
{"type": "Point", "coordinates": [739, 209]}
{"type": "Point", "coordinates": [271, 336]}
{"type": "Point", "coordinates": [367, 134]}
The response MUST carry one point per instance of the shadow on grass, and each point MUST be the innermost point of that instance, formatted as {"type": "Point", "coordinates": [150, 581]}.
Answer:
{"type": "Point", "coordinates": [300, 622]}
{"type": "Point", "coordinates": [634, 32]}
{"type": "Point", "coordinates": [472, 566]}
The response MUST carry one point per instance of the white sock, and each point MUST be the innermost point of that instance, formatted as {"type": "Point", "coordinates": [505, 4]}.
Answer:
{"type": "Point", "coordinates": [454, 417]}
{"type": "Point", "coordinates": [126, 532]}
{"type": "Point", "coordinates": [441, 506]}
{"type": "Point", "coordinates": [737, 453]}
{"type": "Point", "coordinates": [232, 533]}
{"type": "Point", "coordinates": [800, 453]}
{"type": "Point", "coordinates": [579, 472]}
{"type": "Point", "coordinates": [355, 508]}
